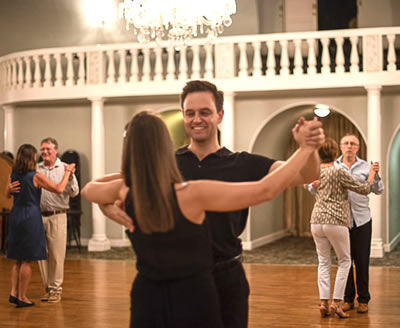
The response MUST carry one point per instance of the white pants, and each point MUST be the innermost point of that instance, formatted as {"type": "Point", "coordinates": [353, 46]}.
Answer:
{"type": "Point", "coordinates": [325, 236]}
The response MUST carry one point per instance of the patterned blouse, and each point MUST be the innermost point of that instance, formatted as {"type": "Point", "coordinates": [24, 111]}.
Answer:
{"type": "Point", "coordinates": [331, 200]}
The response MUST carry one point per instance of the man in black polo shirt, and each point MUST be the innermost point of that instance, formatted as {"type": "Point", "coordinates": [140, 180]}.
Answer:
{"type": "Point", "coordinates": [202, 108]}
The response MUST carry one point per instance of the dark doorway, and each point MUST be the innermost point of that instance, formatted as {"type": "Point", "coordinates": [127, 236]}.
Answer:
{"type": "Point", "coordinates": [337, 14]}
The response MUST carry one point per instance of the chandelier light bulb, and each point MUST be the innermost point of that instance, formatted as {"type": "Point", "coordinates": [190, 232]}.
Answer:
{"type": "Point", "coordinates": [178, 21]}
{"type": "Point", "coordinates": [227, 21]}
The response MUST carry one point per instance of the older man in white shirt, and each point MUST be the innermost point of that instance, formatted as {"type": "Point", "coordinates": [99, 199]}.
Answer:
{"type": "Point", "coordinates": [54, 215]}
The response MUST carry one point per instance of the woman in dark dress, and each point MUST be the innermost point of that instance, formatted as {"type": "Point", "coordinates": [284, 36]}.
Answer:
{"type": "Point", "coordinates": [174, 286]}
{"type": "Point", "coordinates": [26, 237]}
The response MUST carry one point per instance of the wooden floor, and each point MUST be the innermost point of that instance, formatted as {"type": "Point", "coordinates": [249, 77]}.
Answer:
{"type": "Point", "coordinates": [96, 294]}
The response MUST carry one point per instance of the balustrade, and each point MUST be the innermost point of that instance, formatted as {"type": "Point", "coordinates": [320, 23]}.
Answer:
{"type": "Point", "coordinates": [255, 56]}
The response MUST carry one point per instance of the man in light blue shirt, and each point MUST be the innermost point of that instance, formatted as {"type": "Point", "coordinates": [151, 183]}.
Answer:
{"type": "Point", "coordinates": [361, 224]}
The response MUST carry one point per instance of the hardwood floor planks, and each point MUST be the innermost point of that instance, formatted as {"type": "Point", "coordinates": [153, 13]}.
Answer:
{"type": "Point", "coordinates": [96, 294]}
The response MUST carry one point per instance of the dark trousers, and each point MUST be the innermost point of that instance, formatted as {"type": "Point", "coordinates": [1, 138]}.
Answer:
{"type": "Point", "coordinates": [233, 290]}
{"type": "Point", "coordinates": [190, 302]}
{"type": "Point", "coordinates": [360, 246]}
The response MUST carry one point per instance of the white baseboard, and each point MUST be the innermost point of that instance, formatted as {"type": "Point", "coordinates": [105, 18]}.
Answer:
{"type": "Point", "coordinates": [114, 242]}
{"type": "Point", "coordinates": [120, 243]}
{"type": "Point", "coordinates": [392, 245]}
{"type": "Point", "coordinates": [249, 245]}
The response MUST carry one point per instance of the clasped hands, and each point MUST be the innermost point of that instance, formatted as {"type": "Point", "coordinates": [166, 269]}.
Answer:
{"type": "Point", "coordinates": [309, 134]}
{"type": "Point", "coordinates": [70, 167]}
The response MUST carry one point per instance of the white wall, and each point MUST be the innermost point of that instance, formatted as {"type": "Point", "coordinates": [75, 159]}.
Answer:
{"type": "Point", "coordinates": [374, 13]}
{"type": "Point", "coordinates": [2, 129]}
{"type": "Point", "coordinates": [395, 12]}
{"type": "Point", "coordinates": [270, 16]}
{"type": "Point", "coordinates": [300, 15]}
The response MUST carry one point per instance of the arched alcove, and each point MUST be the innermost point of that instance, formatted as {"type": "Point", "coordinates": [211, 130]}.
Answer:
{"type": "Point", "coordinates": [394, 189]}
{"type": "Point", "coordinates": [174, 121]}
{"type": "Point", "coordinates": [272, 141]}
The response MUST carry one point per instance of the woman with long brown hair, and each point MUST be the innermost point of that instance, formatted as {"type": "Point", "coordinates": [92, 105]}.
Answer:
{"type": "Point", "coordinates": [174, 286]}
{"type": "Point", "coordinates": [26, 238]}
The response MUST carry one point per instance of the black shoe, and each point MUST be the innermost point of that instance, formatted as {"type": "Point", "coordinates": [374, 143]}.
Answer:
{"type": "Point", "coordinates": [23, 304]}
{"type": "Point", "coordinates": [12, 299]}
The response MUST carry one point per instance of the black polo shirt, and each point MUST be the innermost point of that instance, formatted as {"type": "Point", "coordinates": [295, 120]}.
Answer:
{"type": "Point", "coordinates": [223, 165]}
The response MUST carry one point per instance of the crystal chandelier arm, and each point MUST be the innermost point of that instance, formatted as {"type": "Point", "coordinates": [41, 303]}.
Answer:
{"type": "Point", "coordinates": [179, 20]}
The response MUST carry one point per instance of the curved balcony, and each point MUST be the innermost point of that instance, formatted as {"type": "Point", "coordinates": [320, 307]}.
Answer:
{"type": "Point", "coordinates": [328, 59]}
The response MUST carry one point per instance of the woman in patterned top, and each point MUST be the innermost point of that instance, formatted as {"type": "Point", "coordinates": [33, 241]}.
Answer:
{"type": "Point", "coordinates": [330, 222]}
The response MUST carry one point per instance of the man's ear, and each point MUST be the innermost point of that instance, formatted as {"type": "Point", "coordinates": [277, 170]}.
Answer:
{"type": "Point", "coordinates": [220, 115]}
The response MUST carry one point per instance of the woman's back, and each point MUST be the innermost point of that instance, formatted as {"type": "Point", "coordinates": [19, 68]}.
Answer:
{"type": "Point", "coordinates": [180, 252]}
{"type": "Point", "coordinates": [26, 239]}
{"type": "Point", "coordinates": [331, 200]}
{"type": "Point", "coordinates": [29, 195]}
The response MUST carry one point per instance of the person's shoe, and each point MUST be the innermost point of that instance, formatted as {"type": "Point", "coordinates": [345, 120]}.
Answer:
{"type": "Point", "coordinates": [21, 304]}
{"type": "Point", "coordinates": [362, 308]}
{"type": "Point", "coordinates": [12, 299]}
{"type": "Point", "coordinates": [45, 297]}
{"type": "Point", "coordinates": [54, 298]}
{"type": "Point", "coordinates": [347, 306]}
{"type": "Point", "coordinates": [323, 309]}
{"type": "Point", "coordinates": [335, 308]}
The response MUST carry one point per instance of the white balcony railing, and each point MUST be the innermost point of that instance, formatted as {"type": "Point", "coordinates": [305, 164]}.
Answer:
{"type": "Point", "coordinates": [269, 57]}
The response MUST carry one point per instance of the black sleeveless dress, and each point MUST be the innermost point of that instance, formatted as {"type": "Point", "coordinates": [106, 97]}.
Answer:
{"type": "Point", "coordinates": [26, 238]}
{"type": "Point", "coordinates": [174, 287]}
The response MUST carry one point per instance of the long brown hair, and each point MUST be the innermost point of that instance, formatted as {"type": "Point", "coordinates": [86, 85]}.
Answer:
{"type": "Point", "coordinates": [150, 170]}
{"type": "Point", "coordinates": [25, 161]}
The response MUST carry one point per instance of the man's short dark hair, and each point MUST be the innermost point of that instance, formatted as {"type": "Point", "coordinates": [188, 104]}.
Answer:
{"type": "Point", "coordinates": [50, 140]}
{"type": "Point", "coordinates": [203, 86]}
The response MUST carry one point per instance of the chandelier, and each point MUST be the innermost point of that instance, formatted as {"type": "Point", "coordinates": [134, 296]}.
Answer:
{"type": "Point", "coordinates": [179, 21]}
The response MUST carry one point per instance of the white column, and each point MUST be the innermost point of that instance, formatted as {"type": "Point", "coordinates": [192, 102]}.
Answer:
{"type": "Point", "coordinates": [374, 154]}
{"type": "Point", "coordinates": [9, 128]}
{"type": "Point", "coordinates": [228, 122]}
{"type": "Point", "coordinates": [99, 240]}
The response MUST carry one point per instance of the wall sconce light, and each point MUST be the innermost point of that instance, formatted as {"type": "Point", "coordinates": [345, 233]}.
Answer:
{"type": "Point", "coordinates": [321, 110]}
